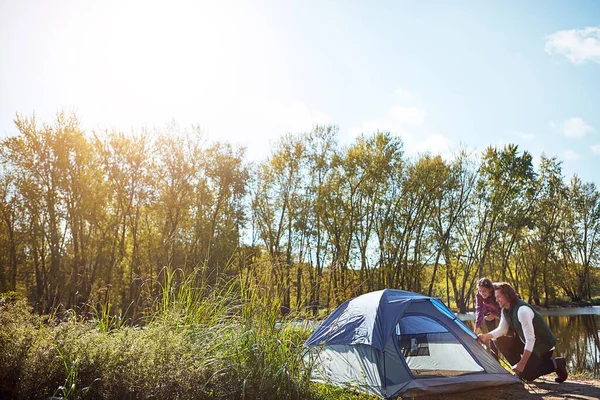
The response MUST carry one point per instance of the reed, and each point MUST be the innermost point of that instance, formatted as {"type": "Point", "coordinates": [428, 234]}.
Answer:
{"type": "Point", "coordinates": [227, 341]}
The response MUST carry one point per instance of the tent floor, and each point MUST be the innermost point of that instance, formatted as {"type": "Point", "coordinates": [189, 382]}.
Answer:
{"type": "Point", "coordinates": [433, 373]}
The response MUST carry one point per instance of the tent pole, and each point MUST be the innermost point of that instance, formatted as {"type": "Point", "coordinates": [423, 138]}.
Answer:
{"type": "Point", "coordinates": [384, 377]}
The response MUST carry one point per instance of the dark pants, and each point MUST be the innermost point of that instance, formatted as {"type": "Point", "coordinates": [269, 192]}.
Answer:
{"type": "Point", "coordinates": [512, 348]}
{"type": "Point", "coordinates": [491, 325]}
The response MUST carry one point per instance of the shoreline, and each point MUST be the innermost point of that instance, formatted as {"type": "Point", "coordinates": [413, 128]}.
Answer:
{"type": "Point", "coordinates": [576, 387]}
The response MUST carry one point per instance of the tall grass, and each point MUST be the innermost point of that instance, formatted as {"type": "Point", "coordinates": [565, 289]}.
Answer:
{"type": "Point", "coordinates": [225, 342]}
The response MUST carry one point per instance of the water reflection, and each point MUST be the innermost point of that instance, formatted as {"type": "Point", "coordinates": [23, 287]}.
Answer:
{"type": "Point", "coordinates": [577, 336]}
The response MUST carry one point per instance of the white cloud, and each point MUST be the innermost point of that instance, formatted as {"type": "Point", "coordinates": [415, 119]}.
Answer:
{"type": "Point", "coordinates": [435, 144]}
{"type": "Point", "coordinates": [294, 117]}
{"type": "Point", "coordinates": [576, 128]}
{"type": "Point", "coordinates": [570, 155]}
{"type": "Point", "coordinates": [403, 94]}
{"type": "Point", "coordinates": [578, 45]}
{"type": "Point", "coordinates": [527, 136]}
{"type": "Point", "coordinates": [595, 148]}
{"type": "Point", "coordinates": [400, 120]}
{"type": "Point", "coordinates": [397, 120]}
{"type": "Point", "coordinates": [407, 115]}
{"type": "Point", "coordinates": [258, 125]}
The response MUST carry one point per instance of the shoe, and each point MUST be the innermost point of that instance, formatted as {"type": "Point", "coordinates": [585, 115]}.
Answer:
{"type": "Point", "coordinates": [561, 369]}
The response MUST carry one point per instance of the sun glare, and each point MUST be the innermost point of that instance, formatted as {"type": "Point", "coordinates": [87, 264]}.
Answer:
{"type": "Point", "coordinates": [145, 63]}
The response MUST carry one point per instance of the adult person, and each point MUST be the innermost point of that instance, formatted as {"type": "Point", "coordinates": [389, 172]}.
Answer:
{"type": "Point", "coordinates": [487, 310]}
{"type": "Point", "coordinates": [530, 351]}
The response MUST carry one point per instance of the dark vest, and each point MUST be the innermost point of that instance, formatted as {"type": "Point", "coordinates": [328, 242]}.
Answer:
{"type": "Point", "coordinates": [544, 338]}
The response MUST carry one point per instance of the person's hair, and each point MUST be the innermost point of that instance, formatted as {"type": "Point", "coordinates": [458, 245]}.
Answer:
{"type": "Point", "coordinates": [508, 291]}
{"type": "Point", "coordinates": [486, 283]}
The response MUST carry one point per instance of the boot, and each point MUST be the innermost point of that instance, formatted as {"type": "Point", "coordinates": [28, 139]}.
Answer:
{"type": "Point", "coordinates": [561, 369]}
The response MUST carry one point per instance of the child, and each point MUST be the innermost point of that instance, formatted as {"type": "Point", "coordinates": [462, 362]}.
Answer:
{"type": "Point", "coordinates": [487, 311]}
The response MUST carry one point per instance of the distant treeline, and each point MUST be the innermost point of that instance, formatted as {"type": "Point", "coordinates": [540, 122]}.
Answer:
{"type": "Point", "coordinates": [96, 217]}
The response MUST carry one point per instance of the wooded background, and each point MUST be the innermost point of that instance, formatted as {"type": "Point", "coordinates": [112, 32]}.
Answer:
{"type": "Point", "coordinates": [100, 216]}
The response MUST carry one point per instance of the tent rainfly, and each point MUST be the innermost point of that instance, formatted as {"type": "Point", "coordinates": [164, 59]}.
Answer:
{"type": "Point", "coordinates": [393, 343]}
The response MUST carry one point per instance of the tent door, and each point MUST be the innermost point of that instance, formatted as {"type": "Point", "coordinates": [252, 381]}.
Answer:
{"type": "Point", "coordinates": [429, 348]}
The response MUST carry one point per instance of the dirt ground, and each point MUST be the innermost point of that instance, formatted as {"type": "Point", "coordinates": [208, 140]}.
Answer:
{"type": "Point", "coordinates": [545, 388]}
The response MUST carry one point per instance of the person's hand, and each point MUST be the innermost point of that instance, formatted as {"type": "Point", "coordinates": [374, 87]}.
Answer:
{"type": "Point", "coordinates": [519, 367]}
{"type": "Point", "coordinates": [484, 337]}
{"type": "Point", "coordinates": [489, 317]}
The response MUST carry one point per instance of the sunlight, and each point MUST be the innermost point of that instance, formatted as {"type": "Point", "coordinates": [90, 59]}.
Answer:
{"type": "Point", "coordinates": [133, 65]}
{"type": "Point", "coordinates": [157, 58]}
{"type": "Point", "coordinates": [140, 64]}
{"type": "Point", "coordinates": [193, 62]}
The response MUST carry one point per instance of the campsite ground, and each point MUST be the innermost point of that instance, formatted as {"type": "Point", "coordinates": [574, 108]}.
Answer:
{"type": "Point", "coordinates": [575, 388]}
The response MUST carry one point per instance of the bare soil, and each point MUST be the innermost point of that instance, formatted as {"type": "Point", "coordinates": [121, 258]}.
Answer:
{"type": "Point", "coordinates": [574, 388]}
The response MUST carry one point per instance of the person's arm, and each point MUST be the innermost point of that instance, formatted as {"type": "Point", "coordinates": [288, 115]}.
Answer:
{"type": "Point", "coordinates": [525, 316]}
{"type": "Point", "coordinates": [496, 333]}
{"type": "Point", "coordinates": [478, 311]}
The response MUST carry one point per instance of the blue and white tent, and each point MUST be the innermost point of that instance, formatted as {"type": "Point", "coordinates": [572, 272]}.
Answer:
{"type": "Point", "coordinates": [397, 343]}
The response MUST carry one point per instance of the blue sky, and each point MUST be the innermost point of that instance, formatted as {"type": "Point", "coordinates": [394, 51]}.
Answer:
{"type": "Point", "coordinates": [439, 73]}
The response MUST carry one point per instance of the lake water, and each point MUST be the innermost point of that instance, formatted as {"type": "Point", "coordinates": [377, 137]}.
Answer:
{"type": "Point", "coordinates": [577, 331]}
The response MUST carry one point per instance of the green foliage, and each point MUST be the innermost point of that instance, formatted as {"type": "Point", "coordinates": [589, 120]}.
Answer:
{"type": "Point", "coordinates": [227, 344]}
{"type": "Point", "coordinates": [19, 331]}
{"type": "Point", "coordinates": [98, 219]}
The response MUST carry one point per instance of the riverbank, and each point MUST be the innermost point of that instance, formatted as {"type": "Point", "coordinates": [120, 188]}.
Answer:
{"type": "Point", "coordinates": [568, 303]}
{"type": "Point", "coordinates": [222, 346]}
{"type": "Point", "coordinates": [543, 388]}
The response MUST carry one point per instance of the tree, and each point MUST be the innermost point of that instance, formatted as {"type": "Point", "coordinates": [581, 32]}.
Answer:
{"type": "Point", "coordinates": [378, 161]}
{"type": "Point", "coordinates": [581, 238]}
{"type": "Point", "coordinates": [450, 210]}
{"type": "Point", "coordinates": [224, 180]}
{"type": "Point", "coordinates": [9, 212]}
{"type": "Point", "coordinates": [321, 147]}
{"type": "Point", "coordinates": [278, 186]}
{"type": "Point", "coordinates": [540, 251]}
{"type": "Point", "coordinates": [39, 158]}
{"type": "Point", "coordinates": [127, 169]}
{"type": "Point", "coordinates": [506, 179]}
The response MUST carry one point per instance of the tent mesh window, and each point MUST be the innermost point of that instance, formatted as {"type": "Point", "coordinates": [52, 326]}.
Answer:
{"type": "Point", "coordinates": [414, 345]}
{"type": "Point", "coordinates": [430, 349]}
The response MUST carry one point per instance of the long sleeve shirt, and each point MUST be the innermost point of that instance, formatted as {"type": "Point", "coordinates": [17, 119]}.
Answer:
{"type": "Point", "coordinates": [483, 306]}
{"type": "Point", "coordinates": [525, 316]}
